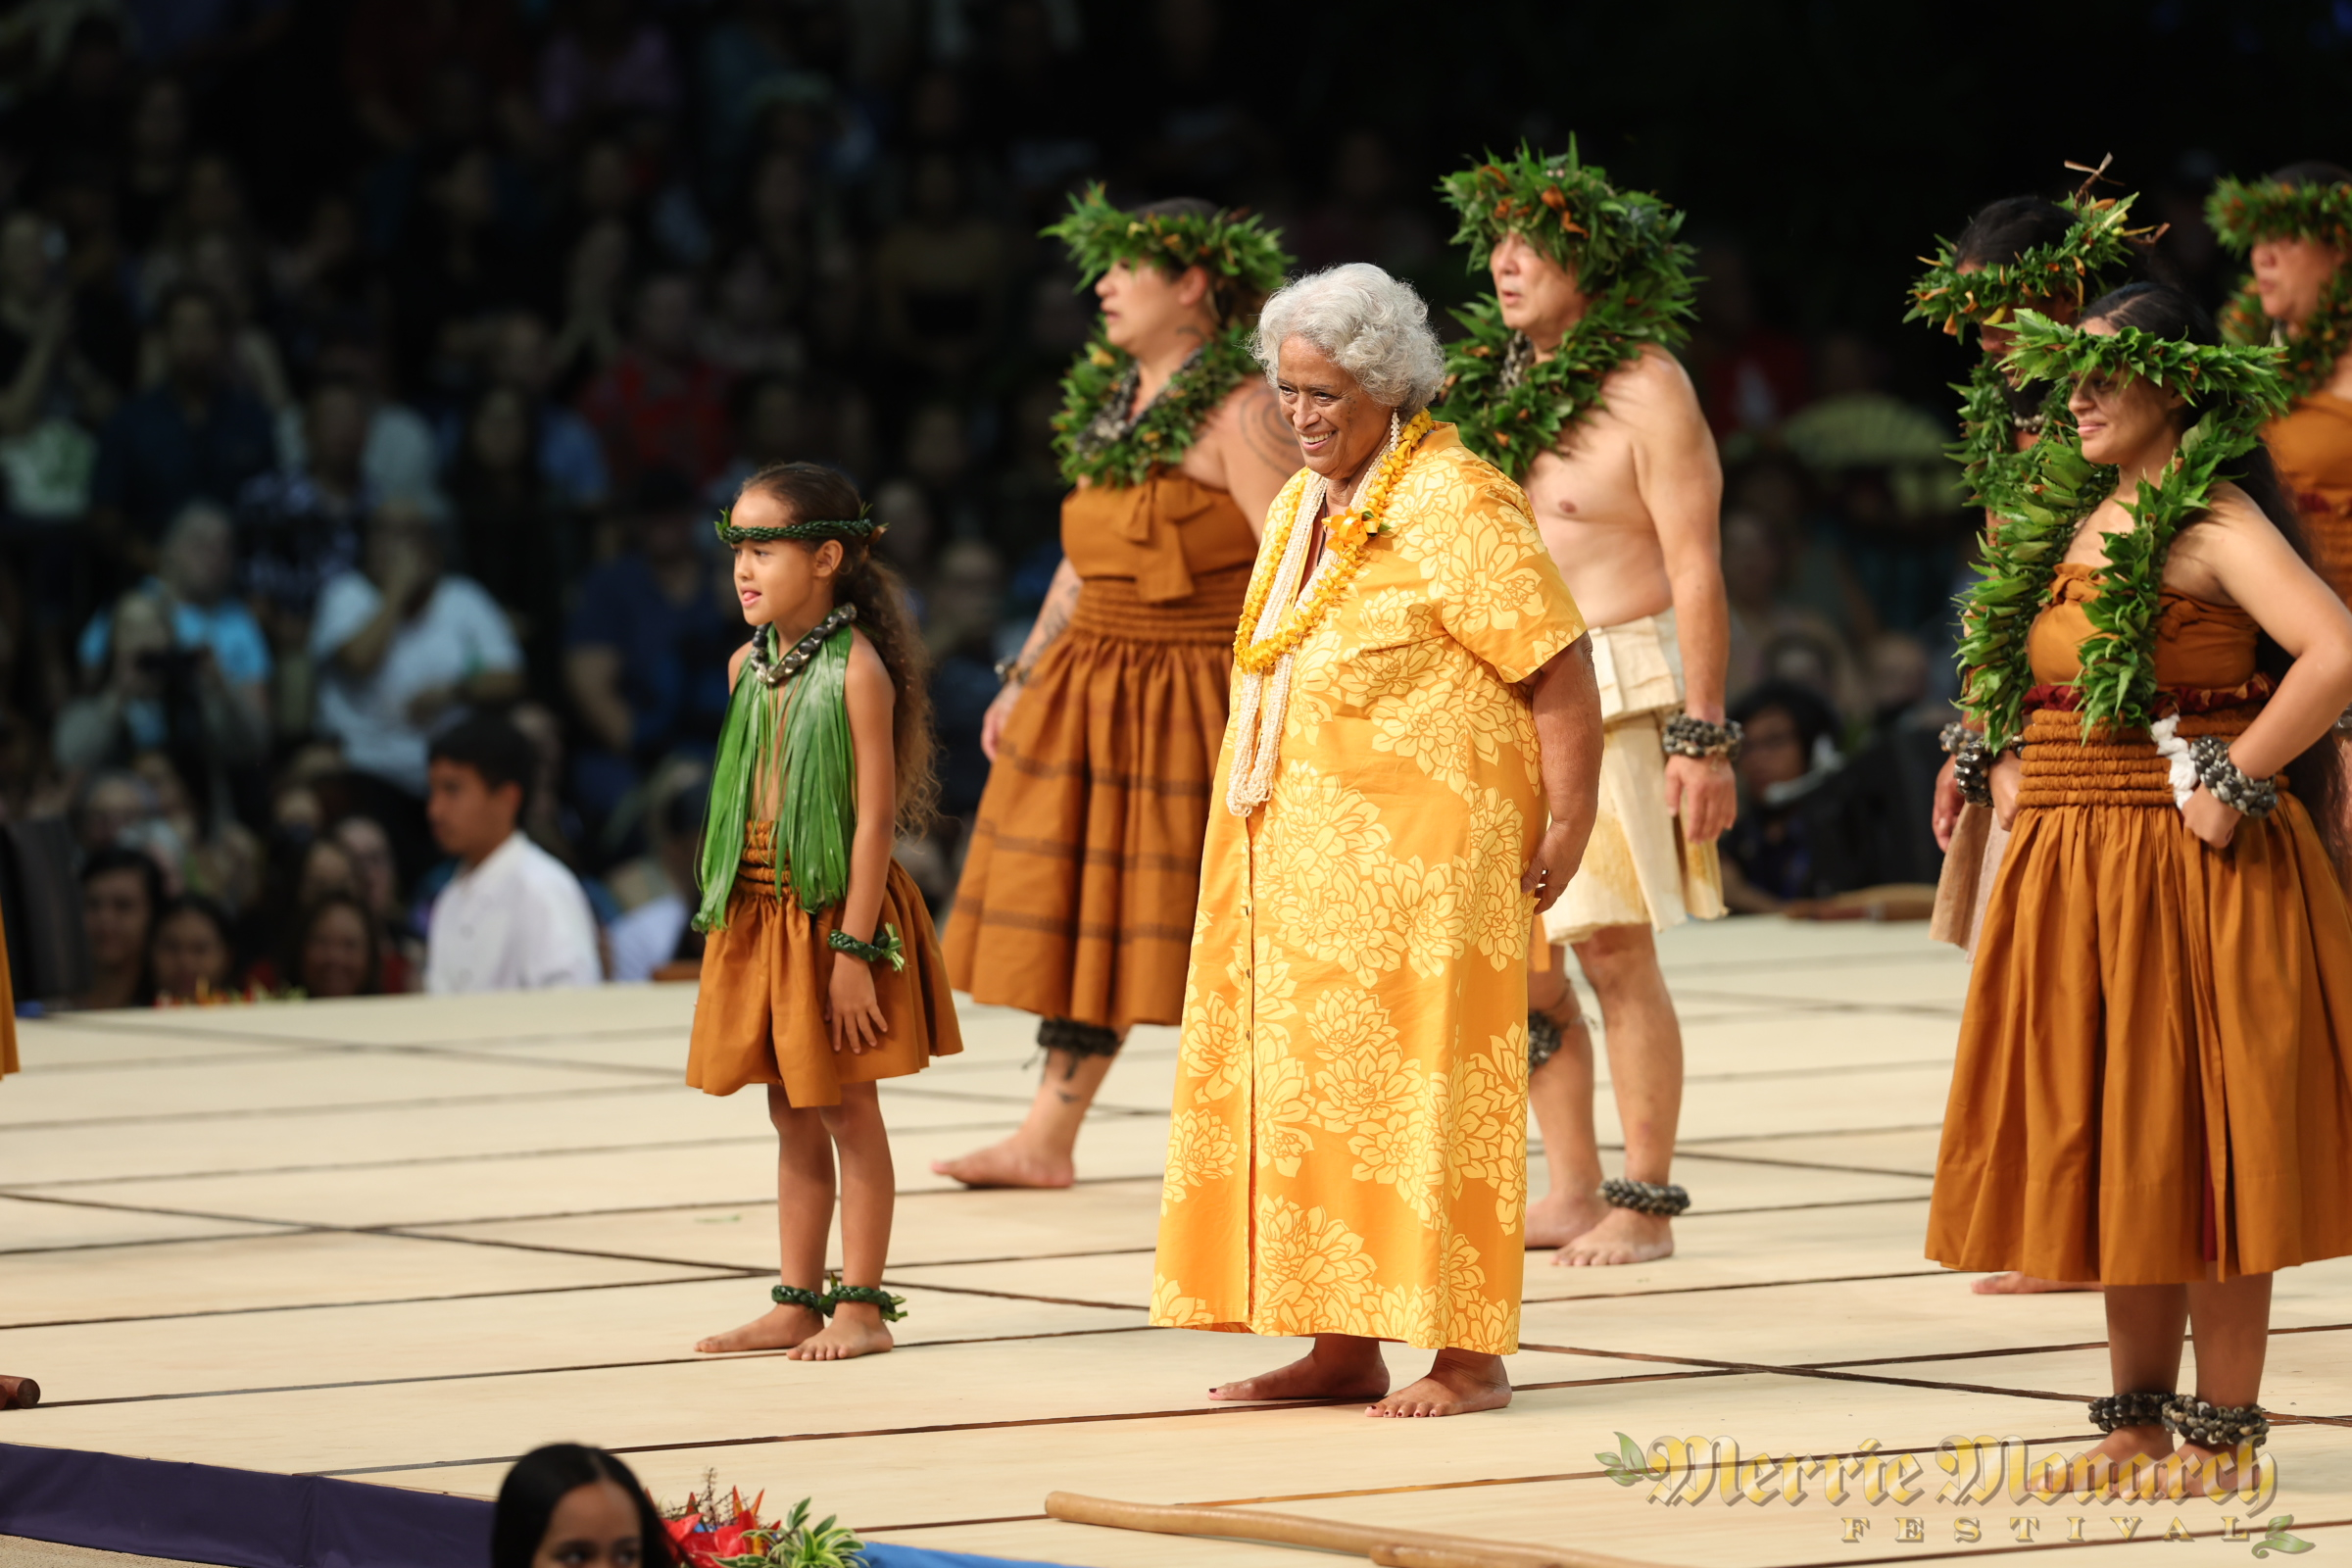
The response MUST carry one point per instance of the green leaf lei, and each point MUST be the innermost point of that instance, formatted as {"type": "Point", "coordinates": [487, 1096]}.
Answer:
{"type": "Point", "coordinates": [1092, 435]}
{"type": "Point", "coordinates": [2068, 271]}
{"type": "Point", "coordinates": [1232, 244]}
{"type": "Point", "coordinates": [1635, 274]}
{"type": "Point", "coordinates": [2245, 213]}
{"type": "Point", "coordinates": [2036, 523]}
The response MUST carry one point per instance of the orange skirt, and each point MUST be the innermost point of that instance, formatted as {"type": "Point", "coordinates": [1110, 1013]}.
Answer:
{"type": "Point", "coordinates": [760, 1015]}
{"type": "Point", "coordinates": [1077, 896]}
{"type": "Point", "coordinates": [2151, 1082]}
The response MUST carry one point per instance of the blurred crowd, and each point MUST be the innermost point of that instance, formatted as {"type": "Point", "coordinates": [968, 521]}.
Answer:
{"type": "Point", "coordinates": [368, 364]}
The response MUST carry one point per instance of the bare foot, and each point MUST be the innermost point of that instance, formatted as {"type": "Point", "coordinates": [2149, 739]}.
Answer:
{"type": "Point", "coordinates": [1010, 1164]}
{"type": "Point", "coordinates": [1458, 1383]}
{"type": "Point", "coordinates": [2016, 1284]}
{"type": "Point", "coordinates": [1316, 1375]}
{"type": "Point", "coordinates": [2196, 1471]}
{"type": "Point", "coordinates": [1560, 1217]}
{"type": "Point", "coordinates": [857, 1330]}
{"type": "Point", "coordinates": [1625, 1235]}
{"type": "Point", "coordinates": [779, 1328]}
{"type": "Point", "coordinates": [2126, 1460]}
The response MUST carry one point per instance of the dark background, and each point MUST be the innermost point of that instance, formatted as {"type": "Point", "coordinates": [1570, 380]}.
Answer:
{"type": "Point", "coordinates": [842, 197]}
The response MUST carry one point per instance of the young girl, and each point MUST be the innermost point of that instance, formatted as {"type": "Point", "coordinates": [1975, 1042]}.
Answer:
{"type": "Point", "coordinates": [2152, 1087]}
{"type": "Point", "coordinates": [822, 974]}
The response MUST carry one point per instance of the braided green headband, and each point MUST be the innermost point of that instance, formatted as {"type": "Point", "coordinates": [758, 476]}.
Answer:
{"type": "Point", "coordinates": [809, 530]}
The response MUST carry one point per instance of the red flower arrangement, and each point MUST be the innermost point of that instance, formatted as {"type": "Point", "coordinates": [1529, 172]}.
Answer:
{"type": "Point", "coordinates": [714, 1531]}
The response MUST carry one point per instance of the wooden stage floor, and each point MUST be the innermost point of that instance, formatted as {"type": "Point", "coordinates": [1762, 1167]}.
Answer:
{"type": "Point", "coordinates": [406, 1239]}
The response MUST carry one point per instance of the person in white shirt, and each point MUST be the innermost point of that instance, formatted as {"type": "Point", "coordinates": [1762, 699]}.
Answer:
{"type": "Point", "coordinates": [402, 644]}
{"type": "Point", "coordinates": [514, 918]}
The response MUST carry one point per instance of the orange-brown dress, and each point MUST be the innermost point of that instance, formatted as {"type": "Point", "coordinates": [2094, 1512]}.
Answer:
{"type": "Point", "coordinates": [760, 1015]}
{"type": "Point", "coordinates": [2151, 1079]}
{"type": "Point", "coordinates": [1077, 896]}
{"type": "Point", "coordinates": [2312, 445]}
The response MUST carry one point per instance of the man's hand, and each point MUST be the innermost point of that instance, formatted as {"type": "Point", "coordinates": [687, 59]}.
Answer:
{"type": "Point", "coordinates": [1946, 815]}
{"type": "Point", "coordinates": [2209, 820]}
{"type": "Point", "coordinates": [1704, 793]}
{"type": "Point", "coordinates": [2008, 776]}
{"type": "Point", "coordinates": [1546, 876]}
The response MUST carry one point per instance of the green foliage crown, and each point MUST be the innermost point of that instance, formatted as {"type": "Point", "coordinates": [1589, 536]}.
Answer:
{"type": "Point", "coordinates": [1231, 244]}
{"type": "Point", "coordinates": [2070, 272]}
{"type": "Point", "coordinates": [1626, 241]}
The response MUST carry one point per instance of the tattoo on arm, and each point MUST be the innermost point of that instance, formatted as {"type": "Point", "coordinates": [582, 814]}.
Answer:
{"type": "Point", "coordinates": [1054, 618]}
{"type": "Point", "coordinates": [1266, 433]}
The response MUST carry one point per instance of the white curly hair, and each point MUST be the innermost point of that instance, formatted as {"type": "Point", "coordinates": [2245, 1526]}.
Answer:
{"type": "Point", "coordinates": [1371, 325]}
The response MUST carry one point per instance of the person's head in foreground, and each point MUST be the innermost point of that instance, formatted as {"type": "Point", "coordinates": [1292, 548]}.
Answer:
{"type": "Point", "coordinates": [1350, 353]}
{"type": "Point", "coordinates": [570, 1506]}
{"type": "Point", "coordinates": [477, 779]}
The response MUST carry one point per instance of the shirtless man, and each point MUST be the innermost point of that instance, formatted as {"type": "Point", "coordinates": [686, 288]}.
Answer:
{"type": "Point", "coordinates": [1077, 896]}
{"type": "Point", "coordinates": [1627, 494]}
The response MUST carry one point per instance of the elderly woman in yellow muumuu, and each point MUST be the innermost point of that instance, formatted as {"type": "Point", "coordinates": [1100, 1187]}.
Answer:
{"type": "Point", "coordinates": [1413, 692]}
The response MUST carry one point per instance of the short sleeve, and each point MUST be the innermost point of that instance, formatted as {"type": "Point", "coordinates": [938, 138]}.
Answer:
{"type": "Point", "coordinates": [239, 647]}
{"type": "Point", "coordinates": [345, 607]}
{"type": "Point", "coordinates": [1490, 580]}
{"type": "Point", "coordinates": [489, 636]}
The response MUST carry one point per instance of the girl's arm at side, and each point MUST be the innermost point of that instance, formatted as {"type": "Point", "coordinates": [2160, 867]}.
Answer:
{"type": "Point", "coordinates": [872, 743]}
{"type": "Point", "coordinates": [735, 665]}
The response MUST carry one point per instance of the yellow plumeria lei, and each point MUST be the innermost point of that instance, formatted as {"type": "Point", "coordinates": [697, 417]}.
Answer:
{"type": "Point", "coordinates": [1350, 536]}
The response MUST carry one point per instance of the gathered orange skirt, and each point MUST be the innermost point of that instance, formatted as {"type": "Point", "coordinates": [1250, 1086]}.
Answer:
{"type": "Point", "coordinates": [760, 1015]}
{"type": "Point", "coordinates": [1078, 892]}
{"type": "Point", "coordinates": [2151, 1082]}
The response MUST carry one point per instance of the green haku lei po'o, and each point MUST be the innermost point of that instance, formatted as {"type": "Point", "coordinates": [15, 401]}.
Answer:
{"type": "Point", "coordinates": [1629, 263]}
{"type": "Point", "coordinates": [2241, 388]}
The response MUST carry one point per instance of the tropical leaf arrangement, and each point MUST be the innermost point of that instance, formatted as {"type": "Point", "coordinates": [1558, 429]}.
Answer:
{"type": "Point", "coordinates": [2240, 389]}
{"type": "Point", "coordinates": [1630, 264]}
{"type": "Point", "coordinates": [1093, 436]}
{"type": "Point", "coordinates": [1233, 243]}
{"type": "Point", "coordinates": [709, 1531]}
{"type": "Point", "coordinates": [2069, 273]}
{"type": "Point", "coordinates": [2245, 213]}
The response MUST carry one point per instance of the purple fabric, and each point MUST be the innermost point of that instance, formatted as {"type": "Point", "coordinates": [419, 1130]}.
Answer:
{"type": "Point", "coordinates": [249, 1519]}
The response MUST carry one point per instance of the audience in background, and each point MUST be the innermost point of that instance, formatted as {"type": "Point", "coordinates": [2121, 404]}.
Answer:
{"type": "Point", "coordinates": [122, 893]}
{"type": "Point", "coordinates": [468, 361]}
{"type": "Point", "coordinates": [193, 954]}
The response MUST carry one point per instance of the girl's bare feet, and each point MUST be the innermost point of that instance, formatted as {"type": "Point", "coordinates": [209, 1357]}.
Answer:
{"type": "Point", "coordinates": [1337, 1368]}
{"type": "Point", "coordinates": [2015, 1284]}
{"type": "Point", "coordinates": [857, 1330]}
{"type": "Point", "coordinates": [1560, 1217]}
{"type": "Point", "coordinates": [1623, 1235]}
{"type": "Point", "coordinates": [779, 1328]}
{"type": "Point", "coordinates": [1458, 1383]}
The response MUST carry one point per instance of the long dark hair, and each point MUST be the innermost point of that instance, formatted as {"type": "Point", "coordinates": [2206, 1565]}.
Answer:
{"type": "Point", "coordinates": [2317, 776]}
{"type": "Point", "coordinates": [542, 1478]}
{"type": "Point", "coordinates": [2002, 231]}
{"type": "Point", "coordinates": [299, 940]}
{"type": "Point", "coordinates": [812, 490]}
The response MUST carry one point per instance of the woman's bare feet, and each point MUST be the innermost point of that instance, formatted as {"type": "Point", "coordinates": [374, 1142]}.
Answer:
{"type": "Point", "coordinates": [1624, 1236]}
{"type": "Point", "coordinates": [1458, 1383]}
{"type": "Point", "coordinates": [1338, 1368]}
{"type": "Point", "coordinates": [779, 1328]}
{"type": "Point", "coordinates": [857, 1330]}
{"type": "Point", "coordinates": [1014, 1162]}
{"type": "Point", "coordinates": [2016, 1284]}
{"type": "Point", "coordinates": [2113, 1468]}
{"type": "Point", "coordinates": [1560, 1217]}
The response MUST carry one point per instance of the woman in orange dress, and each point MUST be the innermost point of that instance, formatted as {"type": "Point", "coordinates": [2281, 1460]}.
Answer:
{"type": "Point", "coordinates": [2151, 1083]}
{"type": "Point", "coordinates": [2295, 230]}
{"type": "Point", "coordinates": [1076, 899]}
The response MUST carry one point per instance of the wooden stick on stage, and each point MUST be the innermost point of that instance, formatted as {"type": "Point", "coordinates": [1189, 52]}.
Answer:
{"type": "Point", "coordinates": [18, 1393]}
{"type": "Point", "coordinates": [1393, 1548]}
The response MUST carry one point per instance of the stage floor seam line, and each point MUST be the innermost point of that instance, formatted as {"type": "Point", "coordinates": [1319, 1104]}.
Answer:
{"type": "Point", "coordinates": [553, 1371]}
{"type": "Point", "coordinates": [387, 1301]}
{"type": "Point", "coordinates": [1682, 1153]}
{"type": "Point", "coordinates": [1738, 1285]}
{"type": "Point", "coordinates": [165, 1241]}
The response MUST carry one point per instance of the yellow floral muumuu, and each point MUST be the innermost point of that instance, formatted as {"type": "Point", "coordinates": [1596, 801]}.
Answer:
{"type": "Point", "coordinates": [1348, 1147]}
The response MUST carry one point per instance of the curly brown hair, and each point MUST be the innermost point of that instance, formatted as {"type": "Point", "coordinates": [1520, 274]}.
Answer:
{"type": "Point", "coordinates": [812, 490]}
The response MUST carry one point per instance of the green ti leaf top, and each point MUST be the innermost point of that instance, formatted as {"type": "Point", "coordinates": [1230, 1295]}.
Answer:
{"type": "Point", "coordinates": [2244, 214]}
